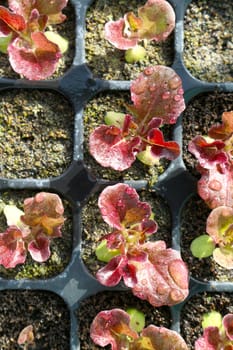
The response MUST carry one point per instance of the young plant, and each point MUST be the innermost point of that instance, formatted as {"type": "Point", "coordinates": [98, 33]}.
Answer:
{"type": "Point", "coordinates": [157, 97]}
{"type": "Point", "coordinates": [218, 332]}
{"type": "Point", "coordinates": [155, 21]}
{"type": "Point", "coordinates": [31, 230]}
{"type": "Point", "coordinates": [215, 187]}
{"type": "Point", "coordinates": [114, 327]}
{"type": "Point", "coordinates": [26, 338]}
{"type": "Point", "coordinates": [33, 52]}
{"type": "Point", "coordinates": [151, 270]}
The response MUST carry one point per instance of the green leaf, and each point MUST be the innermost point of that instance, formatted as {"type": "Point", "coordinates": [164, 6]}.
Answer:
{"type": "Point", "coordinates": [202, 246]}
{"type": "Point", "coordinates": [147, 158]}
{"type": "Point", "coordinates": [137, 319]}
{"type": "Point", "coordinates": [114, 118]}
{"type": "Point", "coordinates": [105, 254]}
{"type": "Point", "coordinates": [135, 54]}
{"type": "Point", "coordinates": [212, 319]}
{"type": "Point", "coordinates": [4, 42]}
{"type": "Point", "coordinates": [61, 42]}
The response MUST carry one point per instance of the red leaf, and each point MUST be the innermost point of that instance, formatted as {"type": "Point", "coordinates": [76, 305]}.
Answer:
{"type": "Point", "coordinates": [111, 274]}
{"type": "Point", "coordinates": [120, 204]}
{"type": "Point", "coordinates": [44, 213]}
{"type": "Point", "coordinates": [37, 62]}
{"type": "Point", "coordinates": [224, 130]}
{"type": "Point", "coordinates": [14, 21]}
{"type": "Point", "coordinates": [157, 93]}
{"type": "Point", "coordinates": [114, 34]}
{"type": "Point", "coordinates": [111, 327]}
{"type": "Point", "coordinates": [39, 248]}
{"type": "Point", "coordinates": [12, 248]}
{"type": "Point", "coordinates": [228, 325]}
{"type": "Point", "coordinates": [111, 149]}
{"type": "Point", "coordinates": [160, 148]}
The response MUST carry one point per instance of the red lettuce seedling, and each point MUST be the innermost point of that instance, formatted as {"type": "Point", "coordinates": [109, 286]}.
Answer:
{"type": "Point", "coordinates": [152, 271]}
{"type": "Point", "coordinates": [157, 97]}
{"type": "Point", "coordinates": [23, 36]}
{"type": "Point", "coordinates": [31, 230]}
{"type": "Point", "coordinates": [112, 327]}
{"type": "Point", "coordinates": [217, 336]}
{"type": "Point", "coordinates": [155, 21]}
{"type": "Point", "coordinates": [26, 338]}
{"type": "Point", "coordinates": [215, 187]}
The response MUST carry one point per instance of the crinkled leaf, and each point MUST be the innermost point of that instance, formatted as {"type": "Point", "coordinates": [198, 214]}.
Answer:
{"type": "Point", "coordinates": [220, 225]}
{"type": "Point", "coordinates": [224, 130]}
{"type": "Point", "coordinates": [37, 62]}
{"type": "Point", "coordinates": [12, 248]}
{"type": "Point", "coordinates": [215, 187]}
{"type": "Point", "coordinates": [39, 248]}
{"type": "Point", "coordinates": [13, 20]}
{"type": "Point", "coordinates": [158, 20]}
{"type": "Point", "coordinates": [111, 149]}
{"type": "Point", "coordinates": [228, 325]}
{"type": "Point", "coordinates": [155, 21]}
{"type": "Point", "coordinates": [157, 93]}
{"type": "Point", "coordinates": [120, 206]}
{"type": "Point", "coordinates": [208, 152]}
{"type": "Point", "coordinates": [162, 279]}
{"type": "Point", "coordinates": [161, 148]}
{"type": "Point", "coordinates": [44, 212]}
{"type": "Point", "coordinates": [162, 338]}
{"type": "Point", "coordinates": [111, 327]}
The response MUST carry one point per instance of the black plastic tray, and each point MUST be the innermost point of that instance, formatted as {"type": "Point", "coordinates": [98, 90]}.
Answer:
{"type": "Point", "coordinates": [76, 184]}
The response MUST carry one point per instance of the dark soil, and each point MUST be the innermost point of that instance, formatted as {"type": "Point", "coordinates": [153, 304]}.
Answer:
{"type": "Point", "coordinates": [104, 59]}
{"type": "Point", "coordinates": [45, 311]}
{"type": "Point", "coordinates": [191, 315]}
{"type": "Point", "coordinates": [66, 30]}
{"type": "Point", "coordinates": [61, 247]}
{"type": "Point", "coordinates": [94, 114]}
{"type": "Point", "coordinates": [93, 226]}
{"type": "Point", "coordinates": [36, 134]}
{"type": "Point", "coordinates": [201, 113]}
{"type": "Point", "coordinates": [208, 40]}
{"type": "Point", "coordinates": [90, 307]}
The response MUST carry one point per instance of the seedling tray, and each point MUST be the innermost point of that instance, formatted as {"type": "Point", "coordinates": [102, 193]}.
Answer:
{"type": "Point", "coordinates": [77, 183]}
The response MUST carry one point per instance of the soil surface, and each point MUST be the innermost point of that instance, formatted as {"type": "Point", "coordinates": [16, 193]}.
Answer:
{"type": "Point", "coordinates": [208, 40]}
{"type": "Point", "coordinates": [61, 247]}
{"type": "Point", "coordinates": [192, 313]}
{"type": "Point", "coordinates": [93, 226]}
{"type": "Point", "coordinates": [36, 133]}
{"type": "Point", "coordinates": [66, 30]}
{"type": "Point", "coordinates": [108, 62]}
{"type": "Point", "coordinates": [45, 311]}
{"type": "Point", "coordinates": [90, 307]}
{"type": "Point", "coordinates": [94, 113]}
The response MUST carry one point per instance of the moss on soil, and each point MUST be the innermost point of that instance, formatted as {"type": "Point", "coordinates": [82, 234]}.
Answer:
{"type": "Point", "coordinates": [104, 59]}
{"type": "Point", "coordinates": [108, 300]}
{"type": "Point", "coordinates": [93, 226]}
{"type": "Point", "coordinates": [36, 134]}
{"type": "Point", "coordinates": [61, 248]}
{"type": "Point", "coordinates": [66, 30]}
{"type": "Point", "coordinates": [208, 40]}
{"type": "Point", "coordinates": [94, 114]}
